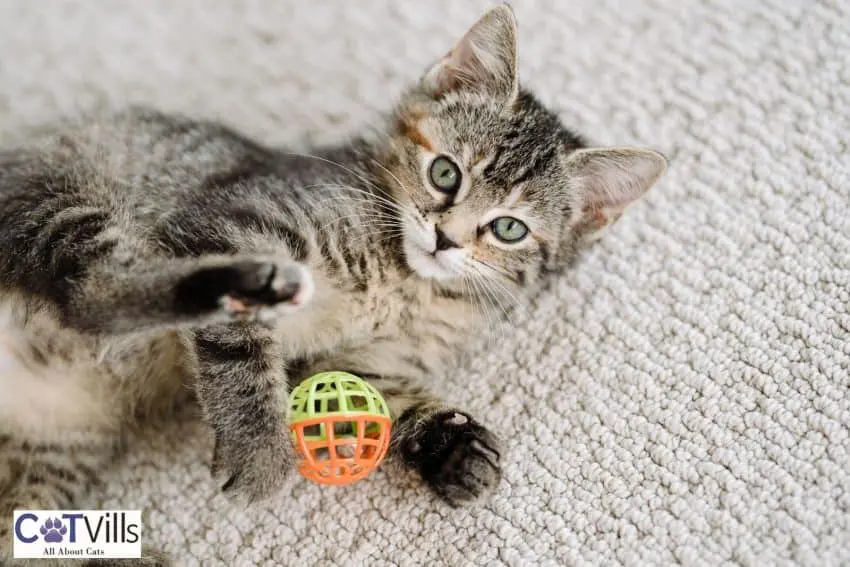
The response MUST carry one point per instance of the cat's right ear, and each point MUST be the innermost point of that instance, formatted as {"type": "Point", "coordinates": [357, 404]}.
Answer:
{"type": "Point", "coordinates": [485, 59]}
{"type": "Point", "coordinates": [604, 182]}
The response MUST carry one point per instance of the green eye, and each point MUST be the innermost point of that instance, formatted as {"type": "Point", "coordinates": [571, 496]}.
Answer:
{"type": "Point", "coordinates": [445, 175]}
{"type": "Point", "coordinates": [509, 229]}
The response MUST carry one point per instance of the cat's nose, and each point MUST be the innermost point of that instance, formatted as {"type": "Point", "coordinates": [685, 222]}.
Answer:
{"type": "Point", "coordinates": [443, 241]}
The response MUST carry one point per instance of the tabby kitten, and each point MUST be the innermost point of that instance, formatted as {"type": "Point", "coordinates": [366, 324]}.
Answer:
{"type": "Point", "coordinates": [147, 256]}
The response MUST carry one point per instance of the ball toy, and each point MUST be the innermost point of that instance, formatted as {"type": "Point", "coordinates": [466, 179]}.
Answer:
{"type": "Point", "coordinates": [340, 425]}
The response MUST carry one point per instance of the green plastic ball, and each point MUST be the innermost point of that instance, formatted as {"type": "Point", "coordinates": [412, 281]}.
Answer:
{"type": "Point", "coordinates": [340, 425]}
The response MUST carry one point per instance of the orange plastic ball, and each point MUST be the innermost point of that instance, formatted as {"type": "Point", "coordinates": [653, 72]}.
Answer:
{"type": "Point", "coordinates": [340, 426]}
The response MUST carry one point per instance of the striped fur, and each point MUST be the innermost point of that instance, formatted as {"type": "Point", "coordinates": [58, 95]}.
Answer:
{"type": "Point", "coordinates": [147, 257]}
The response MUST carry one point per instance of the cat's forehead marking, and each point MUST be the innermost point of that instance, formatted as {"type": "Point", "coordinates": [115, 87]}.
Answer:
{"type": "Point", "coordinates": [480, 162]}
{"type": "Point", "coordinates": [415, 128]}
{"type": "Point", "coordinates": [467, 156]}
{"type": "Point", "coordinates": [515, 195]}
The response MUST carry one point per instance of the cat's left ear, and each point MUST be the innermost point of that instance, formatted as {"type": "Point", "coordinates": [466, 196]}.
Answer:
{"type": "Point", "coordinates": [604, 182]}
{"type": "Point", "coordinates": [485, 59]}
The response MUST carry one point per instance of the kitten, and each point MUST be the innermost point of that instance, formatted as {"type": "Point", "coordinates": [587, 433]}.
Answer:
{"type": "Point", "coordinates": [149, 256]}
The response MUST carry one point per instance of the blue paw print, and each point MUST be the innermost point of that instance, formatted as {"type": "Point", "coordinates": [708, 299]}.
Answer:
{"type": "Point", "coordinates": [53, 530]}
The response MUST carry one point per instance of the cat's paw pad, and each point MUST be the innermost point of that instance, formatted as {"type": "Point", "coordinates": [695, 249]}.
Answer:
{"type": "Point", "coordinates": [253, 470]}
{"type": "Point", "coordinates": [258, 284]}
{"type": "Point", "coordinates": [246, 289]}
{"type": "Point", "coordinates": [456, 456]}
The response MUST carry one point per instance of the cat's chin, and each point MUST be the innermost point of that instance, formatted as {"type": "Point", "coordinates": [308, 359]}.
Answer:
{"type": "Point", "coordinates": [426, 265]}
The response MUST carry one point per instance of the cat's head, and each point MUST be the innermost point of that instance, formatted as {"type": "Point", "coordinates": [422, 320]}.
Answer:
{"type": "Point", "coordinates": [494, 186]}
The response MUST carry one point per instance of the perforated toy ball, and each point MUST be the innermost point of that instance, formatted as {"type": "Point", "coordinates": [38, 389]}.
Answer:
{"type": "Point", "coordinates": [341, 427]}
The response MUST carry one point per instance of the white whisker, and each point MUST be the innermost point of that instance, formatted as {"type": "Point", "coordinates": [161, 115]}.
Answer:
{"type": "Point", "coordinates": [497, 327]}
{"type": "Point", "coordinates": [501, 323]}
{"type": "Point", "coordinates": [367, 197]}
{"type": "Point", "coordinates": [371, 215]}
{"type": "Point", "coordinates": [479, 294]}
{"type": "Point", "coordinates": [397, 180]}
{"type": "Point", "coordinates": [348, 169]}
{"type": "Point", "coordinates": [515, 302]}
{"type": "Point", "coordinates": [367, 221]}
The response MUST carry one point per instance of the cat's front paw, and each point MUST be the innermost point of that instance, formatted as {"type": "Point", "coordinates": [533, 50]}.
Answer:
{"type": "Point", "coordinates": [250, 289]}
{"type": "Point", "coordinates": [267, 289]}
{"type": "Point", "coordinates": [255, 469]}
{"type": "Point", "coordinates": [456, 456]}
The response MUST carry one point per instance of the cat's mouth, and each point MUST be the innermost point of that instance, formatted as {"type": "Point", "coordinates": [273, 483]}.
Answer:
{"type": "Point", "coordinates": [423, 257]}
{"type": "Point", "coordinates": [429, 265]}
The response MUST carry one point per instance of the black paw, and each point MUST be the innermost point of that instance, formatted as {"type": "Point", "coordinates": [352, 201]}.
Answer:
{"type": "Point", "coordinates": [242, 287]}
{"type": "Point", "coordinates": [456, 456]}
{"type": "Point", "coordinates": [253, 470]}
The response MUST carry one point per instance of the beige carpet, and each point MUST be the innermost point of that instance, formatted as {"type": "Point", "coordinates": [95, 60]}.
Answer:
{"type": "Point", "coordinates": [682, 397]}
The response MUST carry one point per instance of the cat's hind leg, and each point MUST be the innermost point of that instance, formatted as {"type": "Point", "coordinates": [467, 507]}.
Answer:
{"type": "Point", "coordinates": [48, 476]}
{"type": "Point", "coordinates": [65, 414]}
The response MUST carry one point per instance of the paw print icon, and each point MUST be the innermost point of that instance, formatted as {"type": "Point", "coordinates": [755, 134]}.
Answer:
{"type": "Point", "coordinates": [53, 530]}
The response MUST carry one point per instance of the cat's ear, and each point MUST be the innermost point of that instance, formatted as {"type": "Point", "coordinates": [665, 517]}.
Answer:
{"type": "Point", "coordinates": [484, 59]}
{"type": "Point", "coordinates": [604, 182]}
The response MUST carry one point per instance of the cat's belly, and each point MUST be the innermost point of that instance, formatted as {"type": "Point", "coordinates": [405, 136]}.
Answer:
{"type": "Point", "coordinates": [40, 397]}
{"type": "Point", "coordinates": [53, 384]}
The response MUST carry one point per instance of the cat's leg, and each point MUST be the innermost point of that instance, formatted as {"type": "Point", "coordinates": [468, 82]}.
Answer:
{"type": "Point", "coordinates": [72, 248]}
{"type": "Point", "coordinates": [187, 291]}
{"type": "Point", "coordinates": [64, 417]}
{"type": "Point", "coordinates": [457, 457]}
{"type": "Point", "coordinates": [242, 391]}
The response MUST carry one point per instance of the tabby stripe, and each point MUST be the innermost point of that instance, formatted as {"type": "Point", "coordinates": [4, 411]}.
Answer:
{"type": "Point", "coordinates": [363, 265]}
{"type": "Point", "coordinates": [223, 352]}
{"type": "Point", "coordinates": [536, 165]}
{"type": "Point", "coordinates": [491, 167]}
{"type": "Point", "coordinates": [448, 293]}
{"type": "Point", "coordinates": [66, 244]}
{"type": "Point", "coordinates": [355, 268]}
{"type": "Point", "coordinates": [417, 363]}
{"type": "Point", "coordinates": [90, 473]}
{"type": "Point", "coordinates": [33, 477]}
{"type": "Point", "coordinates": [181, 236]}
{"type": "Point", "coordinates": [257, 222]}
{"type": "Point", "coordinates": [326, 252]}
{"type": "Point", "coordinates": [545, 252]}
{"type": "Point", "coordinates": [339, 256]}
{"type": "Point", "coordinates": [250, 167]}
{"type": "Point", "coordinates": [71, 227]}
{"type": "Point", "coordinates": [60, 472]}
{"type": "Point", "coordinates": [345, 250]}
